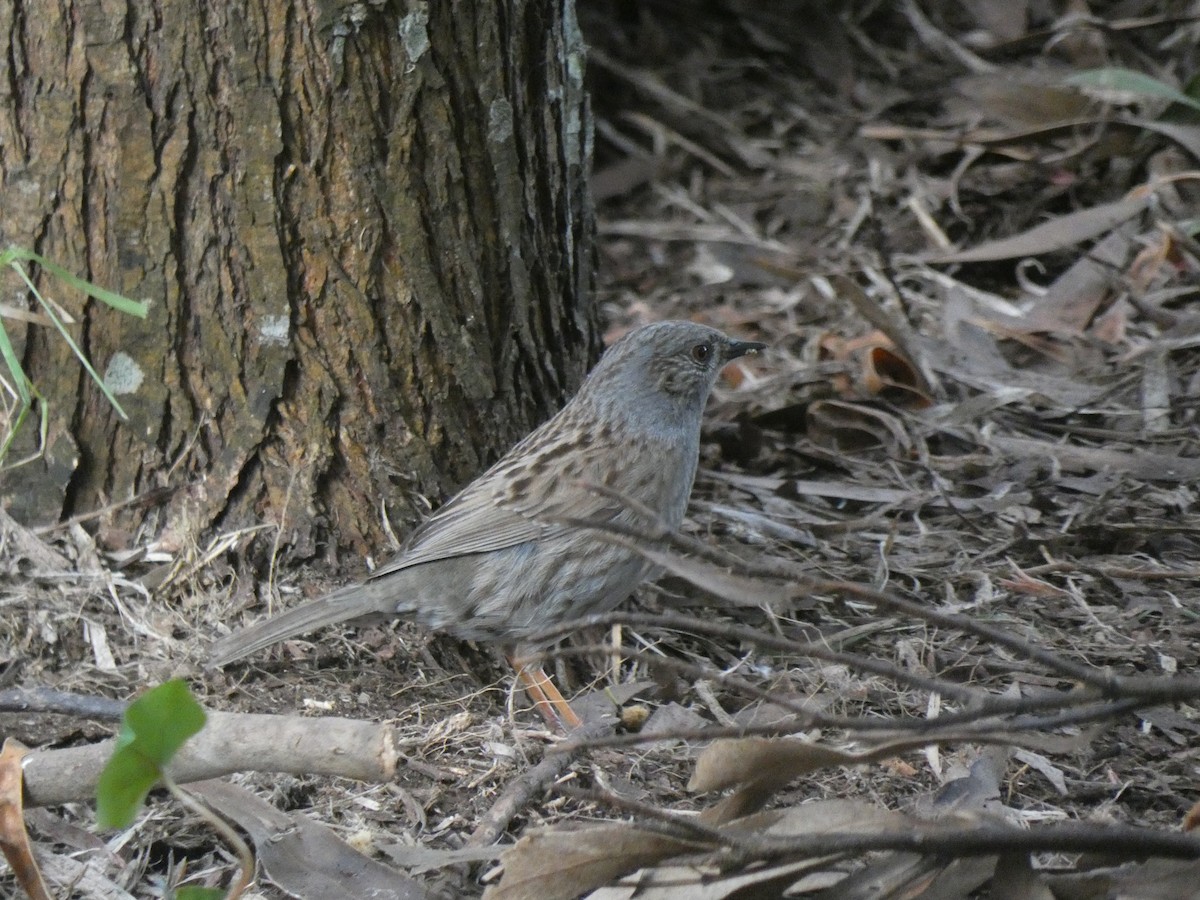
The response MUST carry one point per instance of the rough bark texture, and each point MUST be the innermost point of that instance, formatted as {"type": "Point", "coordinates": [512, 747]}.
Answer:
{"type": "Point", "coordinates": [363, 230]}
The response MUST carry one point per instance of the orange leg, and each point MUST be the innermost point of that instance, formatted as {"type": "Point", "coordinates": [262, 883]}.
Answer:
{"type": "Point", "coordinates": [546, 698]}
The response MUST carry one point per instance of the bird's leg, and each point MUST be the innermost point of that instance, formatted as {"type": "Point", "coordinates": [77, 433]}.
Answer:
{"type": "Point", "coordinates": [547, 699]}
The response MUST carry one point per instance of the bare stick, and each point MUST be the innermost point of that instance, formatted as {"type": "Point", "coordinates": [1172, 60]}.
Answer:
{"type": "Point", "coordinates": [230, 742]}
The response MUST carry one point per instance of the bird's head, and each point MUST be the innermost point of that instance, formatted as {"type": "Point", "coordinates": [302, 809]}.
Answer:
{"type": "Point", "coordinates": [665, 370]}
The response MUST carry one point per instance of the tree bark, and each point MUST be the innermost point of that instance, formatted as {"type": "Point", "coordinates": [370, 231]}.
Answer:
{"type": "Point", "coordinates": [363, 229]}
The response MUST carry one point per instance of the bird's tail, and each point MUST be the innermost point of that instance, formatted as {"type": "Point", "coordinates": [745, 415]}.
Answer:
{"type": "Point", "coordinates": [355, 601]}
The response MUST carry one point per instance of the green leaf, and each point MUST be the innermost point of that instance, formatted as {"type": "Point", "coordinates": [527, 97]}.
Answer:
{"type": "Point", "coordinates": [1119, 79]}
{"type": "Point", "coordinates": [192, 892]}
{"type": "Point", "coordinates": [164, 718]}
{"type": "Point", "coordinates": [123, 786]}
{"type": "Point", "coordinates": [153, 729]}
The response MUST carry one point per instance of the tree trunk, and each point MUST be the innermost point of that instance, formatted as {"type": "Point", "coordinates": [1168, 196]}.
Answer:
{"type": "Point", "coordinates": [364, 232]}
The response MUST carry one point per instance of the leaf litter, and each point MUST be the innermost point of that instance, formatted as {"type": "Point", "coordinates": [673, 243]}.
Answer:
{"type": "Point", "coordinates": [933, 628]}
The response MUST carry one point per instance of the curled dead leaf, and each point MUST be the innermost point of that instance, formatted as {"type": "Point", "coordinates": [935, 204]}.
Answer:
{"type": "Point", "coordinates": [877, 368]}
{"type": "Point", "coordinates": [14, 840]}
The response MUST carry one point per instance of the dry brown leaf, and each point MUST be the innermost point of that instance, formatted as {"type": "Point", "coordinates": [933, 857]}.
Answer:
{"type": "Point", "coordinates": [695, 883]}
{"type": "Point", "coordinates": [556, 864]}
{"type": "Point", "coordinates": [962, 877]}
{"type": "Point", "coordinates": [734, 374]}
{"type": "Point", "coordinates": [895, 875]}
{"type": "Point", "coordinates": [668, 720]}
{"type": "Point", "coordinates": [26, 553]}
{"type": "Point", "coordinates": [1158, 879]}
{"type": "Point", "coordinates": [904, 341]}
{"type": "Point", "coordinates": [759, 767]}
{"type": "Point", "coordinates": [1020, 100]}
{"type": "Point", "coordinates": [878, 369]}
{"type": "Point", "coordinates": [859, 493]}
{"type": "Point", "coordinates": [737, 761]}
{"type": "Point", "coordinates": [1015, 879]}
{"type": "Point", "coordinates": [14, 840]}
{"type": "Point", "coordinates": [1186, 136]}
{"type": "Point", "coordinates": [303, 857]}
{"type": "Point", "coordinates": [1165, 257]}
{"type": "Point", "coordinates": [894, 871]}
{"type": "Point", "coordinates": [1056, 234]}
{"type": "Point", "coordinates": [1191, 819]}
{"type": "Point", "coordinates": [1141, 464]}
{"type": "Point", "coordinates": [889, 374]}
{"type": "Point", "coordinates": [1020, 583]}
{"type": "Point", "coordinates": [898, 766]}
{"type": "Point", "coordinates": [970, 354]}
{"type": "Point", "coordinates": [1112, 325]}
{"type": "Point", "coordinates": [821, 817]}
{"type": "Point", "coordinates": [1071, 302]}
{"type": "Point", "coordinates": [1049, 771]}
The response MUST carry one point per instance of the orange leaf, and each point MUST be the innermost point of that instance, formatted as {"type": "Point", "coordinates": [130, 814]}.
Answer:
{"type": "Point", "coordinates": [14, 840]}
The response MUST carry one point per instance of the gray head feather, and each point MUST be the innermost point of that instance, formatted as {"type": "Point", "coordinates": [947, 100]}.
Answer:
{"type": "Point", "coordinates": [658, 377]}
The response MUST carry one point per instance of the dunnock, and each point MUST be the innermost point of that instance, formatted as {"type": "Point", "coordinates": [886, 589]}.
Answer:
{"type": "Point", "coordinates": [497, 563]}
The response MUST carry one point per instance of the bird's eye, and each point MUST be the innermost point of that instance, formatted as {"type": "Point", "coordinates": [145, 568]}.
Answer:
{"type": "Point", "coordinates": [701, 353]}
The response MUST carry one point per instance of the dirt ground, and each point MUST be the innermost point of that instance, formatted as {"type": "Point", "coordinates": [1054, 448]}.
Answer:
{"type": "Point", "coordinates": [947, 522]}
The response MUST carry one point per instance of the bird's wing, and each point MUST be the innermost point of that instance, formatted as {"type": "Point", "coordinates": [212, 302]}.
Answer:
{"type": "Point", "coordinates": [500, 511]}
{"type": "Point", "coordinates": [466, 525]}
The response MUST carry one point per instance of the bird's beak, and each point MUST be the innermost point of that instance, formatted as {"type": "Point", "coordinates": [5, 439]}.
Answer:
{"type": "Point", "coordinates": [741, 348]}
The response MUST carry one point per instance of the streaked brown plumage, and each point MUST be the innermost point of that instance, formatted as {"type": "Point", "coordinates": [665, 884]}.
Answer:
{"type": "Point", "coordinates": [497, 563]}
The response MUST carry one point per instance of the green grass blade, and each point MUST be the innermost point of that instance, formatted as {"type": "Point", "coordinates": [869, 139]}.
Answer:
{"type": "Point", "coordinates": [116, 301]}
{"type": "Point", "coordinates": [1118, 79]}
{"type": "Point", "coordinates": [14, 366]}
{"type": "Point", "coordinates": [66, 336]}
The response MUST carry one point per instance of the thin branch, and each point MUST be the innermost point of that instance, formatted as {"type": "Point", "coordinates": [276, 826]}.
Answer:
{"type": "Point", "coordinates": [986, 706]}
{"type": "Point", "coordinates": [953, 839]}
{"type": "Point", "coordinates": [655, 536]}
{"type": "Point", "coordinates": [45, 700]}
